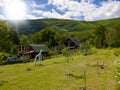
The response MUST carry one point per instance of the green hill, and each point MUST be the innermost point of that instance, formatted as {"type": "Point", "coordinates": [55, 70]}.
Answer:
{"type": "Point", "coordinates": [32, 26]}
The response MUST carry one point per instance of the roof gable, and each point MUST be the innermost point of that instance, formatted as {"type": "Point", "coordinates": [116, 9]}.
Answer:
{"type": "Point", "coordinates": [75, 40]}
{"type": "Point", "coordinates": [37, 48]}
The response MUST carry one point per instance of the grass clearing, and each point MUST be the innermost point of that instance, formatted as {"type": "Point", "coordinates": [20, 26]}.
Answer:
{"type": "Point", "coordinates": [51, 76]}
{"type": "Point", "coordinates": [118, 72]}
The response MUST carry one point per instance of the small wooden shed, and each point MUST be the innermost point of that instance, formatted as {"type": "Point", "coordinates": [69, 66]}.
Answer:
{"type": "Point", "coordinates": [72, 43]}
{"type": "Point", "coordinates": [32, 50]}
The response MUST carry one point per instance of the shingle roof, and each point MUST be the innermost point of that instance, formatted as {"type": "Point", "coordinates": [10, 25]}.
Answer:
{"type": "Point", "coordinates": [76, 41]}
{"type": "Point", "coordinates": [37, 48]}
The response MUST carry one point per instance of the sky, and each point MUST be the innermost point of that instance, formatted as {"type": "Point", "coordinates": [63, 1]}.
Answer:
{"type": "Point", "coordinates": [83, 10]}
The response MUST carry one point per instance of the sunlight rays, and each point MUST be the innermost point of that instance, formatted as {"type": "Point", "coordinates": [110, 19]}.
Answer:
{"type": "Point", "coordinates": [15, 9]}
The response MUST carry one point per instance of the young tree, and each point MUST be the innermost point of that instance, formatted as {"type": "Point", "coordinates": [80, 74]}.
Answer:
{"type": "Point", "coordinates": [86, 47]}
{"type": "Point", "coordinates": [68, 55]}
{"type": "Point", "coordinates": [100, 36]}
{"type": "Point", "coordinates": [24, 39]}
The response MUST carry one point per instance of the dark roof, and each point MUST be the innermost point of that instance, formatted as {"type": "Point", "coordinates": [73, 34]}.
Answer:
{"type": "Point", "coordinates": [75, 40]}
{"type": "Point", "coordinates": [37, 48]}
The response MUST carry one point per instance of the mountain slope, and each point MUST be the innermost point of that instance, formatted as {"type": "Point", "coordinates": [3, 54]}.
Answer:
{"type": "Point", "coordinates": [32, 26]}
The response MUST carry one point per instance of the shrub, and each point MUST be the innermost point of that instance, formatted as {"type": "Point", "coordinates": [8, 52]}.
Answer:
{"type": "Point", "coordinates": [93, 50]}
{"type": "Point", "coordinates": [25, 58]}
{"type": "Point", "coordinates": [3, 58]}
{"type": "Point", "coordinates": [86, 48]}
{"type": "Point", "coordinates": [54, 52]}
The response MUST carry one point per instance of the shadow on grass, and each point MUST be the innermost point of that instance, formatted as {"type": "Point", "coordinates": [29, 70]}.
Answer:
{"type": "Point", "coordinates": [53, 63]}
{"type": "Point", "coordinates": [58, 62]}
{"type": "Point", "coordinates": [75, 76]}
{"type": "Point", "coordinates": [40, 65]}
{"type": "Point", "coordinates": [83, 88]}
{"type": "Point", "coordinates": [29, 69]}
{"type": "Point", "coordinates": [3, 82]}
{"type": "Point", "coordinates": [102, 66]}
{"type": "Point", "coordinates": [1, 71]}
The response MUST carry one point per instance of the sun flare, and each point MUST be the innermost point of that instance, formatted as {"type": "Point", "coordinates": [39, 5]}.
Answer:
{"type": "Point", "coordinates": [15, 9]}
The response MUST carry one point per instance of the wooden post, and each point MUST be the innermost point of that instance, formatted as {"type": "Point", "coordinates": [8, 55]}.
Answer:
{"type": "Point", "coordinates": [102, 66]}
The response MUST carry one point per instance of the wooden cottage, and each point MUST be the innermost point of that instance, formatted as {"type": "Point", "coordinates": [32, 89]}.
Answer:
{"type": "Point", "coordinates": [32, 50]}
{"type": "Point", "coordinates": [35, 49]}
{"type": "Point", "coordinates": [21, 49]}
{"type": "Point", "coordinates": [72, 43]}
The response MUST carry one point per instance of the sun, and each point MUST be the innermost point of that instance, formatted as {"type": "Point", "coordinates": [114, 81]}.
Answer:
{"type": "Point", "coordinates": [14, 9]}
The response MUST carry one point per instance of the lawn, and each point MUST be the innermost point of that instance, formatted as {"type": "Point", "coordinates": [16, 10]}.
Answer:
{"type": "Point", "coordinates": [118, 72]}
{"type": "Point", "coordinates": [51, 76]}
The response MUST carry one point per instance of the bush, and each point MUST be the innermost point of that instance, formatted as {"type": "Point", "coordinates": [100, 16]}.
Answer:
{"type": "Point", "coordinates": [25, 58]}
{"type": "Point", "coordinates": [54, 51]}
{"type": "Point", "coordinates": [3, 58]}
{"type": "Point", "coordinates": [117, 52]}
{"type": "Point", "coordinates": [93, 50]}
{"type": "Point", "coordinates": [86, 48]}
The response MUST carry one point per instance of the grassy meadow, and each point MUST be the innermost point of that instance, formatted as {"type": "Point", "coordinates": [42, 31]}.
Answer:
{"type": "Point", "coordinates": [118, 72]}
{"type": "Point", "coordinates": [51, 75]}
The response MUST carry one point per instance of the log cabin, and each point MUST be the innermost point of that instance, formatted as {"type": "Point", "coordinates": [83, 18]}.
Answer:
{"type": "Point", "coordinates": [32, 50]}
{"type": "Point", "coordinates": [72, 43]}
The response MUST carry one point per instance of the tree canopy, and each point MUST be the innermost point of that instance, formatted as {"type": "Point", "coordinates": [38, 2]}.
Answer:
{"type": "Point", "coordinates": [8, 38]}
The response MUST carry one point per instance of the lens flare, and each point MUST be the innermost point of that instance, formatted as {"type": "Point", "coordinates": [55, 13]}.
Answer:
{"type": "Point", "coordinates": [14, 9]}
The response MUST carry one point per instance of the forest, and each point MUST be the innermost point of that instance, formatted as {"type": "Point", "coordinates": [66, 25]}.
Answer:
{"type": "Point", "coordinates": [53, 32]}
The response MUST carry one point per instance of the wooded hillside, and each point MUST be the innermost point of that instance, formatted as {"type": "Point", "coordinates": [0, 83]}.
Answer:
{"type": "Point", "coordinates": [32, 26]}
{"type": "Point", "coordinates": [53, 32]}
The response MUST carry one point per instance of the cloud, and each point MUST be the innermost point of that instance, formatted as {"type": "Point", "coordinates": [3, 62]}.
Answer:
{"type": "Point", "coordinates": [1, 3]}
{"type": "Point", "coordinates": [87, 9]}
{"type": "Point", "coordinates": [89, 1]}
{"type": "Point", "coordinates": [72, 9]}
{"type": "Point", "coordinates": [2, 17]}
{"type": "Point", "coordinates": [105, 11]}
{"type": "Point", "coordinates": [29, 16]}
{"type": "Point", "coordinates": [34, 5]}
{"type": "Point", "coordinates": [49, 14]}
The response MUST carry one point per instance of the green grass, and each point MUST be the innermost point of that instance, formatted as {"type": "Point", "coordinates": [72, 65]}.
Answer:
{"type": "Point", "coordinates": [118, 72]}
{"type": "Point", "coordinates": [51, 76]}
